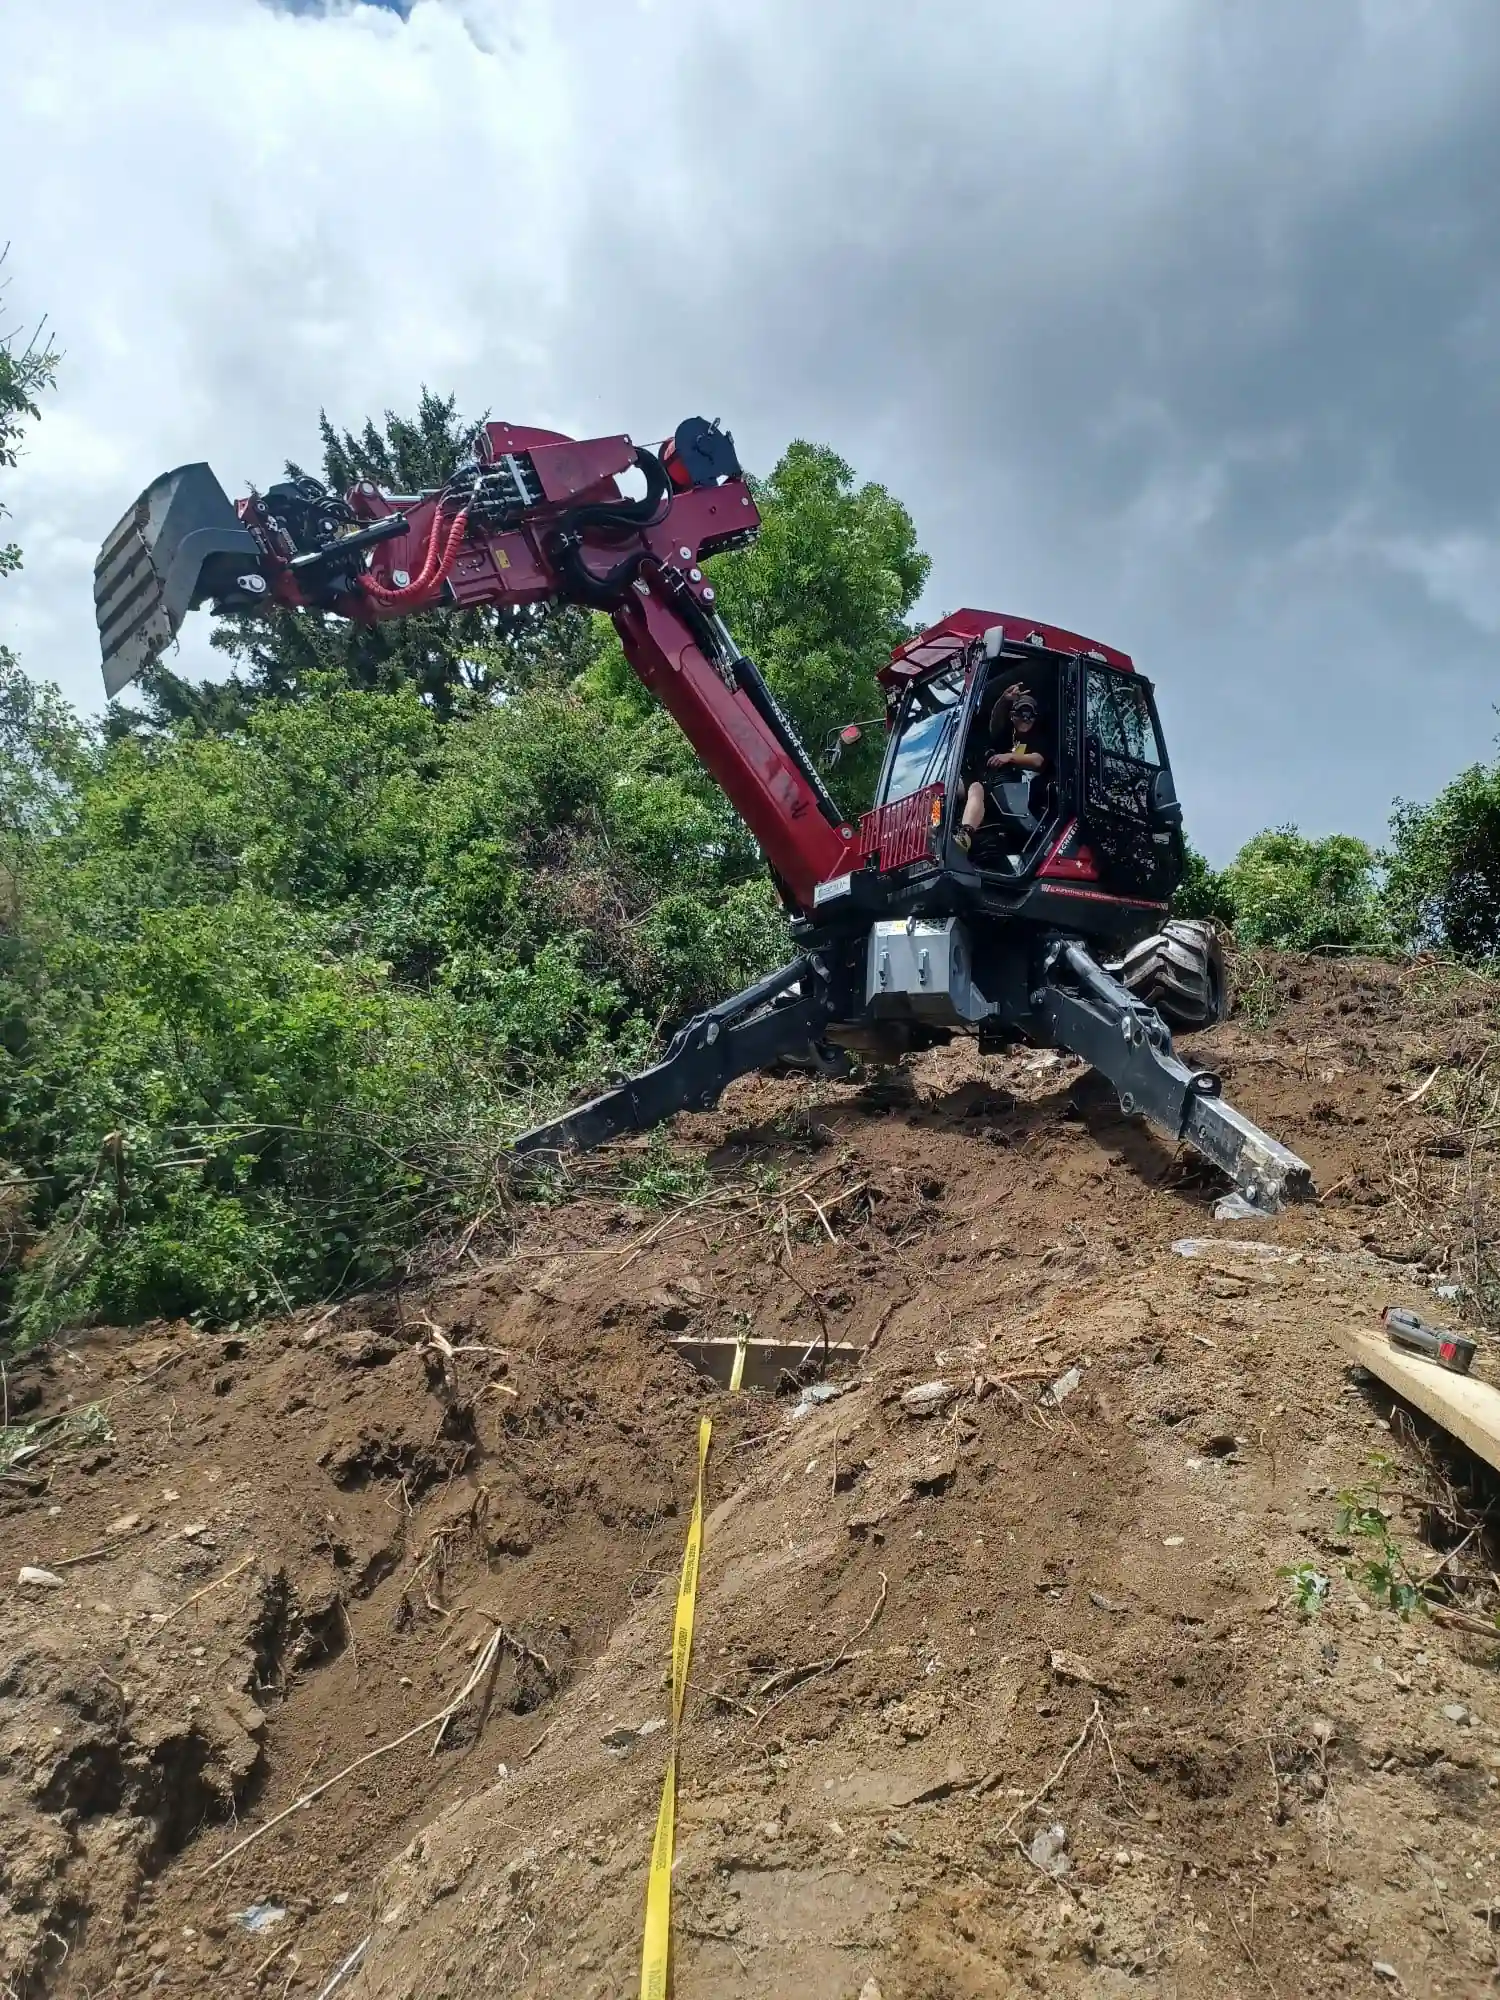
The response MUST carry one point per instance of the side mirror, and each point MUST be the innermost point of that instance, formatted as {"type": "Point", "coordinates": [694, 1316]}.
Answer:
{"type": "Point", "coordinates": [994, 640]}
{"type": "Point", "coordinates": [840, 740]}
{"type": "Point", "coordinates": [1165, 809]}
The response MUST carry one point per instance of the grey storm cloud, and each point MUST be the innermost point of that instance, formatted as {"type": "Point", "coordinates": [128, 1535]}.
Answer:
{"type": "Point", "coordinates": [1174, 323]}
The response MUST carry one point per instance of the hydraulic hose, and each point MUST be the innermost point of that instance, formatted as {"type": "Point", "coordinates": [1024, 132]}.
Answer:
{"type": "Point", "coordinates": [435, 565]}
{"type": "Point", "coordinates": [603, 590]}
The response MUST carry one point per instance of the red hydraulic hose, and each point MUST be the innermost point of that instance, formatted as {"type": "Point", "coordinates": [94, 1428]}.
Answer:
{"type": "Point", "coordinates": [434, 567]}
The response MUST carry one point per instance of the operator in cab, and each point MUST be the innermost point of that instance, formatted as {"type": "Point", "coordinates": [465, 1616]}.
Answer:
{"type": "Point", "coordinates": [1012, 737]}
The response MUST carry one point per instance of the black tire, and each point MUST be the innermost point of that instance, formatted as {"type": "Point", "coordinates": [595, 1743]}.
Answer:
{"type": "Point", "coordinates": [1179, 971]}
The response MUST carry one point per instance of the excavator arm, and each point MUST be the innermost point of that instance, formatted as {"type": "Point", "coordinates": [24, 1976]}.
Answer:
{"type": "Point", "coordinates": [537, 518]}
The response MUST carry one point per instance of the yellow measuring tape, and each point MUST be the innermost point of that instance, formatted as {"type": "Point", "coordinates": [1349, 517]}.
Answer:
{"type": "Point", "coordinates": [741, 1349]}
{"type": "Point", "coordinates": [656, 1949]}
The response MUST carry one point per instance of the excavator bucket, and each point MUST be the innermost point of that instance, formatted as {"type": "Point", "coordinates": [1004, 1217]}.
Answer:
{"type": "Point", "coordinates": [180, 543]}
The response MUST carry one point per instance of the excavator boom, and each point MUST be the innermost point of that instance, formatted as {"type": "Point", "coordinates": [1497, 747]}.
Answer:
{"type": "Point", "coordinates": [537, 518]}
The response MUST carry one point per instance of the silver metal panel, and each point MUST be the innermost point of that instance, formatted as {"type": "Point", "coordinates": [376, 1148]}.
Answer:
{"type": "Point", "coordinates": [923, 969]}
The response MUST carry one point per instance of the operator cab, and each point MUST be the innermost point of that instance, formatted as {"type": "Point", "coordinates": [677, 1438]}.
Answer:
{"type": "Point", "coordinates": [1100, 811]}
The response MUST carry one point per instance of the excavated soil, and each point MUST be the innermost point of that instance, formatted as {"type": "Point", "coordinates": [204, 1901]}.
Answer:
{"type": "Point", "coordinates": [930, 1629]}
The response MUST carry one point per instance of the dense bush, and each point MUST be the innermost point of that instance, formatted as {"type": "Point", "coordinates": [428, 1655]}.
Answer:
{"type": "Point", "coordinates": [288, 958]}
{"type": "Point", "coordinates": [1203, 893]}
{"type": "Point", "coordinates": [1305, 895]}
{"type": "Point", "coordinates": [1292, 893]}
{"type": "Point", "coordinates": [1443, 868]}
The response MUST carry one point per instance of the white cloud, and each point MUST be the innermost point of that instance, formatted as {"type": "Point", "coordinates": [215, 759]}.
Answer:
{"type": "Point", "coordinates": [1137, 307]}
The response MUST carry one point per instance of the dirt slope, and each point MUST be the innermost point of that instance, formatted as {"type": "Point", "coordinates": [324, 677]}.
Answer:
{"type": "Point", "coordinates": [922, 1640]}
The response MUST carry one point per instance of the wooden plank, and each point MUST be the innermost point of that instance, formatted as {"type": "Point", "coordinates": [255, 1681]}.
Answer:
{"type": "Point", "coordinates": [1463, 1404]}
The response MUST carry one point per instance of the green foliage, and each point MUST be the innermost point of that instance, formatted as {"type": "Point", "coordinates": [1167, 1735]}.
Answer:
{"type": "Point", "coordinates": [822, 596]}
{"type": "Point", "coordinates": [274, 1000]}
{"type": "Point", "coordinates": [662, 1177]}
{"type": "Point", "coordinates": [1309, 1587]}
{"type": "Point", "coordinates": [290, 958]}
{"type": "Point", "coordinates": [1299, 894]}
{"type": "Point", "coordinates": [25, 371]}
{"type": "Point", "coordinates": [1382, 1570]}
{"type": "Point", "coordinates": [1203, 892]}
{"type": "Point", "coordinates": [1443, 868]}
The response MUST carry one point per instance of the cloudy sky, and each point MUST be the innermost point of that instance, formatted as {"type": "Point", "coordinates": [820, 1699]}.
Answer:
{"type": "Point", "coordinates": [1175, 323]}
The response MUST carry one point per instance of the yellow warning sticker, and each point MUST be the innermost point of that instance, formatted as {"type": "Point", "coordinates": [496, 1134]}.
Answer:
{"type": "Point", "coordinates": [656, 1949]}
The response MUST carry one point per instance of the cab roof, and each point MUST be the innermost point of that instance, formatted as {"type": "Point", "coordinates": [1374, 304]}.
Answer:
{"type": "Point", "coordinates": [930, 649]}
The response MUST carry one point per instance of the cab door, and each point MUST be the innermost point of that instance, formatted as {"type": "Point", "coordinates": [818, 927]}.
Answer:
{"type": "Point", "coordinates": [1129, 811]}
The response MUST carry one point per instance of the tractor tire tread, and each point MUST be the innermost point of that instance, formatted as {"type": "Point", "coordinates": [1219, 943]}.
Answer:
{"type": "Point", "coordinates": [1179, 970]}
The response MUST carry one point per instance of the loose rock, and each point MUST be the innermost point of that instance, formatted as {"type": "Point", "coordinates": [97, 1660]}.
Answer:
{"type": "Point", "coordinates": [928, 1398]}
{"type": "Point", "coordinates": [1048, 1851]}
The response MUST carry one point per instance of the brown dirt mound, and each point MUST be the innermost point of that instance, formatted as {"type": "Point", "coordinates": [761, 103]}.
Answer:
{"type": "Point", "coordinates": [923, 1640]}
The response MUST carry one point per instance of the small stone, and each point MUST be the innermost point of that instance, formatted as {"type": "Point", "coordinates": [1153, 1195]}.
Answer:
{"type": "Point", "coordinates": [1058, 1392]}
{"type": "Point", "coordinates": [927, 1398]}
{"type": "Point", "coordinates": [33, 1578]}
{"type": "Point", "coordinates": [1457, 1714]}
{"type": "Point", "coordinates": [1172, 1541]}
{"type": "Point", "coordinates": [1048, 1851]}
{"type": "Point", "coordinates": [194, 1530]}
{"type": "Point", "coordinates": [626, 1735]}
{"type": "Point", "coordinates": [1383, 1969]}
{"type": "Point", "coordinates": [170, 1493]}
{"type": "Point", "coordinates": [125, 1525]}
{"type": "Point", "coordinates": [260, 1916]}
{"type": "Point", "coordinates": [870, 1991]}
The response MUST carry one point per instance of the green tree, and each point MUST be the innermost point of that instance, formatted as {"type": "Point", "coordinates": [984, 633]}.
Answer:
{"type": "Point", "coordinates": [25, 371]}
{"type": "Point", "coordinates": [1442, 886]}
{"type": "Point", "coordinates": [822, 596]}
{"type": "Point", "coordinates": [1204, 892]}
{"type": "Point", "coordinates": [1300, 894]}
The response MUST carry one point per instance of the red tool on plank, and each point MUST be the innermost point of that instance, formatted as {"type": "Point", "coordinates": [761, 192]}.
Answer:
{"type": "Point", "coordinates": [1414, 1335]}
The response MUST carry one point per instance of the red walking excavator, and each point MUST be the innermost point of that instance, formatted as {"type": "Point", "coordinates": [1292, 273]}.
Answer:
{"type": "Point", "coordinates": [1050, 928]}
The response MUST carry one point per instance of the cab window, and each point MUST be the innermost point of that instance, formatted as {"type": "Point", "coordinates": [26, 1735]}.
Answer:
{"type": "Point", "coordinates": [1119, 718]}
{"type": "Point", "coordinates": [923, 734]}
{"type": "Point", "coordinates": [1122, 751]}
